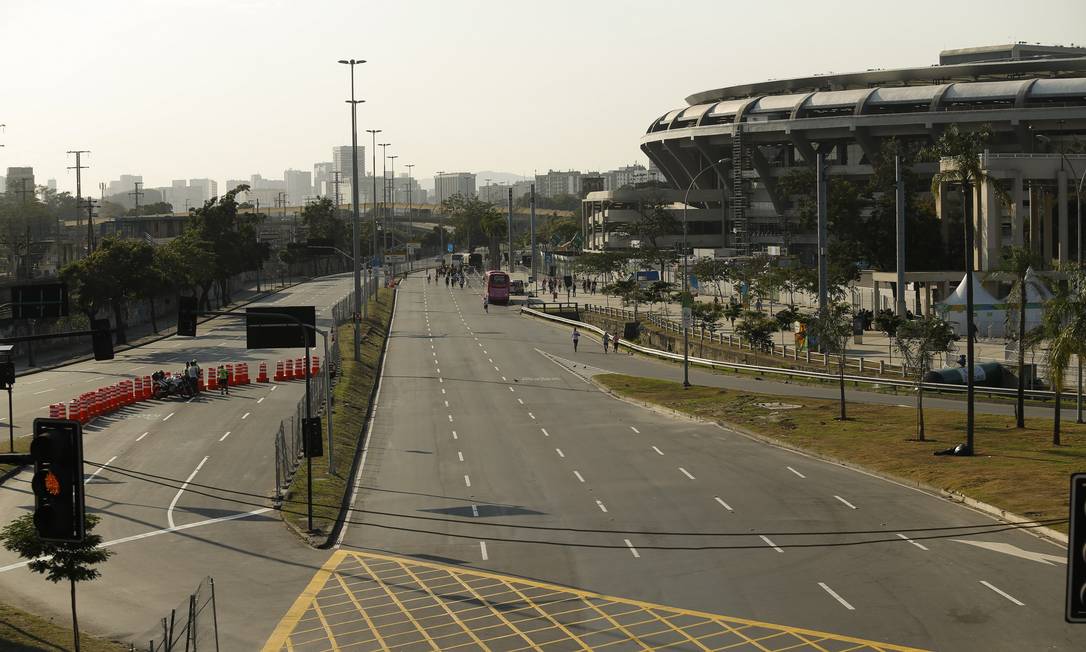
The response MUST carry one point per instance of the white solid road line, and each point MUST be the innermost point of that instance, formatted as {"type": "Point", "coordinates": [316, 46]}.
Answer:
{"type": "Point", "coordinates": [467, 480]}
{"type": "Point", "coordinates": [167, 417]}
{"type": "Point", "coordinates": [601, 506]}
{"type": "Point", "coordinates": [44, 391]}
{"type": "Point", "coordinates": [460, 454]}
{"type": "Point", "coordinates": [579, 476]}
{"type": "Point", "coordinates": [796, 472]}
{"type": "Point", "coordinates": [482, 550]}
{"type": "Point", "coordinates": [173, 503]}
{"type": "Point", "coordinates": [905, 538]}
{"type": "Point", "coordinates": [850, 505]}
{"type": "Point", "coordinates": [770, 543]}
{"type": "Point", "coordinates": [225, 436]}
{"type": "Point", "coordinates": [545, 433]}
{"type": "Point", "coordinates": [245, 416]}
{"type": "Point", "coordinates": [560, 453]}
{"type": "Point", "coordinates": [836, 597]}
{"type": "Point", "coordinates": [723, 504]}
{"type": "Point", "coordinates": [99, 469]}
{"type": "Point", "coordinates": [635, 430]}
{"type": "Point", "coordinates": [687, 473]}
{"type": "Point", "coordinates": [658, 451]}
{"type": "Point", "coordinates": [154, 533]}
{"type": "Point", "coordinates": [1003, 593]}
{"type": "Point", "coordinates": [142, 436]}
{"type": "Point", "coordinates": [633, 551]}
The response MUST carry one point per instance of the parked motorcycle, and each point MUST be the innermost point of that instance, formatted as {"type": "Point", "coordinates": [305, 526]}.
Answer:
{"type": "Point", "coordinates": [165, 386]}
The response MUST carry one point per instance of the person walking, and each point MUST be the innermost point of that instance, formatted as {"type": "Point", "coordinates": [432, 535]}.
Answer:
{"type": "Point", "coordinates": [606, 341]}
{"type": "Point", "coordinates": [224, 382]}
{"type": "Point", "coordinates": [486, 304]}
{"type": "Point", "coordinates": [194, 373]}
{"type": "Point", "coordinates": [576, 338]}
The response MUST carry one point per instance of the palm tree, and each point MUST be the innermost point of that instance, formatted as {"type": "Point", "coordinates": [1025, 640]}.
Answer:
{"type": "Point", "coordinates": [1017, 262]}
{"type": "Point", "coordinates": [1064, 326]}
{"type": "Point", "coordinates": [961, 153]}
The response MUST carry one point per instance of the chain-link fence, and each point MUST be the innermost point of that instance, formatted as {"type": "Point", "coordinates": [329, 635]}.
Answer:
{"type": "Point", "coordinates": [192, 626]}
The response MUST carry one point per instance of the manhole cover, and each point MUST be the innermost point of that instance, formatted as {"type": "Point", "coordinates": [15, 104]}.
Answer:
{"type": "Point", "coordinates": [779, 406]}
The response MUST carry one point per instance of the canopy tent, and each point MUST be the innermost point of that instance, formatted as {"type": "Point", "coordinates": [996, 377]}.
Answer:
{"type": "Point", "coordinates": [989, 314]}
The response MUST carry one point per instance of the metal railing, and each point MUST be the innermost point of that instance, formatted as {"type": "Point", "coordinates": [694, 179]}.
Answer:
{"type": "Point", "coordinates": [799, 373]}
{"type": "Point", "coordinates": [191, 626]}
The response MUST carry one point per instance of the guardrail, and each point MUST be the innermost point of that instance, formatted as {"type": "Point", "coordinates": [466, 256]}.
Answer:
{"type": "Point", "coordinates": [796, 373]}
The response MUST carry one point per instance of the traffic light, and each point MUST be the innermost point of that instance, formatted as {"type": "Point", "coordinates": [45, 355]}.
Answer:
{"type": "Point", "coordinates": [101, 339]}
{"type": "Point", "coordinates": [186, 316]}
{"type": "Point", "coordinates": [1076, 552]}
{"type": "Point", "coordinates": [57, 450]}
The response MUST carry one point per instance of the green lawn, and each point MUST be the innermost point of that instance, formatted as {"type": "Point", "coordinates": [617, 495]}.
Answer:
{"type": "Point", "coordinates": [1016, 470]}
{"type": "Point", "coordinates": [351, 397]}
{"type": "Point", "coordinates": [24, 632]}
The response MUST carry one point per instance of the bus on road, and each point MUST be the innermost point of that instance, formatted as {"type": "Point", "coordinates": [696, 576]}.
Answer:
{"type": "Point", "coordinates": [497, 287]}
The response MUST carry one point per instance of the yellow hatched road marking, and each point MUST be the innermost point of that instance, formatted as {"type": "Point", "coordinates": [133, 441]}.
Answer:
{"type": "Point", "coordinates": [483, 605]}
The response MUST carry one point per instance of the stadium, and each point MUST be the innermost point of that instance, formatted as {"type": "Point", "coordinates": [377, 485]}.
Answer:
{"type": "Point", "coordinates": [735, 144]}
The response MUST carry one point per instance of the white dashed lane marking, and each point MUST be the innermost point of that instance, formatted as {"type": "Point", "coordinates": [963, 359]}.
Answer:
{"type": "Point", "coordinates": [796, 472]}
{"type": "Point", "coordinates": [723, 504]}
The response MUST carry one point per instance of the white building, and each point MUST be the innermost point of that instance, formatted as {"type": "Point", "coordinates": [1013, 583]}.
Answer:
{"type": "Point", "coordinates": [555, 183]}
{"type": "Point", "coordinates": [125, 184]}
{"type": "Point", "coordinates": [629, 175]}
{"type": "Point", "coordinates": [299, 185]}
{"type": "Point", "coordinates": [342, 161]}
{"type": "Point", "coordinates": [448, 184]}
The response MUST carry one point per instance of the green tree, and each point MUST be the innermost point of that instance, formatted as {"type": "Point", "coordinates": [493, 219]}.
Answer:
{"type": "Point", "coordinates": [786, 319]}
{"type": "Point", "coordinates": [190, 264]}
{"type": "Point", "coordinates": [733, 311]}
{"type": "Point", "coordinates": [1063, 326]}
{"type": "Point", "coordinates": [629, 291]}
{"type": "Point", "coordinates": [494, 225]}
{"type": "Point", "coordinates": [919, 341]}
{"type": "Point", "coordinates": [155, 208]}
{"type": "Point", "coordinates": [112, 275]}
{"type": "Point", "coordinates": [561, 229]}
{"type": "Point", "coordinates": [712, 270]}
{"type": "Point", "coordinates": [609, 264]}
{"type": "Point", "coordinates": [233, 238]}
{"type": "Point", "coordinates": [73, 562]}
{"type": "Point", "coordinates": [831, 329]}
{"type": "Point", "coordinates": [466, 215]}
{"type": "Point", "coordinates": [757, 329]}
{"type": "Point", "coordinates": [1013, 269]}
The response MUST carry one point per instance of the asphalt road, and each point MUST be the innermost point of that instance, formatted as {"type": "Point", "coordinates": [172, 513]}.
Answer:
{"type": "Point", "coordinates": [483, 426]}
{"type": "Point", "coordinates": [220, 441]}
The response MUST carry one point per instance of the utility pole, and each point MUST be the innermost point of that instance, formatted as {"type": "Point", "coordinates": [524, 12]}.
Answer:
{"type": "Point", "coordinates": [531, 226]}
{"type": "Point", "coordinates": [512, 268]}
{"type": "Point", "coordinates": [899, 191]}
{"type": "Point", "coordinates": [90, 225]}
{"type": "Point", "coordinates": [137, 193]}
{"type": "Point", "coordinates": [78, 167]}
{"type": "Point", "coordinates": [823, 234]}
{"type": "Point", "coordinates": [23, 192]}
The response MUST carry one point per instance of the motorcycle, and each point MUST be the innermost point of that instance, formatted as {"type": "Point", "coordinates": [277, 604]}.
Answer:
{"type": "Point", "coordinates": [165, 386]}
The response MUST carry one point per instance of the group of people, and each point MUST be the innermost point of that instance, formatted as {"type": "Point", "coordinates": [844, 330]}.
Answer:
{"type": "Point", "coordinates": [610, 340]}
{"type": "Point", "coordinates": [193, 373]}
{"type": "Point", "coordinates": [452, 276]}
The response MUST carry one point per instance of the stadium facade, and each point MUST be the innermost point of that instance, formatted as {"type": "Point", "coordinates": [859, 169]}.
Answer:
{"type": "Point", "coordinates": [737, 142]}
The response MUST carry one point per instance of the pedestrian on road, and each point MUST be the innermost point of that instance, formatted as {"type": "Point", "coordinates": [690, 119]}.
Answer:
{"type": "Point", "coordinates": [606, 341]}
{"type": "Point", "coordinates": [974, 332]}
{"type": "Point", "coordinates": [576, 338]}
{"type": "Point", "coordinates": [224, 382]}
{"type": "Point", "coordinates": [614, 342]}
{"type": "Point", "coordinates": [486, 304]}
{"type": "Point", "coordinates": [194, 373]}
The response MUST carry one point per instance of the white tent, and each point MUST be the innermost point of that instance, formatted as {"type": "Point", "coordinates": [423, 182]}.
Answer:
{"type": "Point", "coordinates": [989, 314]}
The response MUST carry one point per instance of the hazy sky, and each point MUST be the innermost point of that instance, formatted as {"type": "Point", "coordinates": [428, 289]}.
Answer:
{"type": "Point", "coordinates": [227, 88]}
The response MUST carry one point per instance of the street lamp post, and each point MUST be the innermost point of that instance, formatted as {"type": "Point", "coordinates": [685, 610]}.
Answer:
{"type": "Point", "coordinates": [373, 200]}
{"type": "Point", "coordinates": [384, 197]}
{"type": "Point", "coordinates": [392, 207]}
{"type": "Point", "coordinates": [410, 225]}
{"type": "Point", "coordinates": [686, 275]}
{"type": "Point", "coordinates": [359, 305]}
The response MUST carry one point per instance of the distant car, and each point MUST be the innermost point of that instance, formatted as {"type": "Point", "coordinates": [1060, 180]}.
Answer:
{"type": "Point", "coordinates": [516, 287]}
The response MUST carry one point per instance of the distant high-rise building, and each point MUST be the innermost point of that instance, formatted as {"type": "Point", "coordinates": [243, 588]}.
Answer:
{"type": "Point", "coordinates": [51, 184]}
{"type": "Point", "coordinates": [19, 180]}
{"type": "Point", "coordinates": [206, 189]}
{"type": "Point", "coordinates": [453, 183]}
{"type": "Point", "coordinates": [299, 185]}
{"type": "Point", "coordinates": [629, 175]}
{"type": "Point", "coordinates": [592, 183]}
{"type": "Point", "coordinates": [555, 183]}
{"type": "Point", "coordinates": [125, 184]}
{"type": "Point", "coordinates": [323, 177]}
{"type": "Point", "coordinates": [342, 161]}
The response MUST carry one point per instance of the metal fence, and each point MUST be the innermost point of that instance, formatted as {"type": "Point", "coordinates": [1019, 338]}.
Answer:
{"type": "Point", "coordinates": [191, 626]}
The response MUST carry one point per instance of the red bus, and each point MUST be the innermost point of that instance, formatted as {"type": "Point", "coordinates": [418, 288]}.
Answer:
{"type": "Point", "coordinates": [497, 287]}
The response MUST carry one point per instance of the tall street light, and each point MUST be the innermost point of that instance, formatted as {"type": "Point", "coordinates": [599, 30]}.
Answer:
{"type": "Point", "coordinates": [384, 197]}
{"type": "Point", "coordinates": [392, 207]}
{"type": "Point", "coordinates": [373, 200]}
{"type": "Point", "coordinates": [359, 305]}
{"type": "Point", "coordinates": [686, 275]}
{"type": "Point", "coordinates": [410, 225]}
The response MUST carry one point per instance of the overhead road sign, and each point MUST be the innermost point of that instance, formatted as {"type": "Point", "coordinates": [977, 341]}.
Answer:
{"type": "Point", "coordinates": [270, 331]}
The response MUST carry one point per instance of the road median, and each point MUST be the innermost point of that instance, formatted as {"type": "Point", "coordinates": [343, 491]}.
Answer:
{"type": "Point", "coordinates": [1017, 471]}
{"type": "Point", "coordinates": [351, 397]}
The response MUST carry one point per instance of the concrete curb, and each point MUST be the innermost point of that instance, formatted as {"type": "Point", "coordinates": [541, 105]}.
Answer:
{"type": "Point", "coordinates": [325, 542]}
{"type": "Point", "coordinates": [996, 513]}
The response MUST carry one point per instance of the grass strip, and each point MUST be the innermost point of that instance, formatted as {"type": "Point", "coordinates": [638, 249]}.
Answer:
{"type": "Point", "coordinates": [351, 399]}
{"type": "Point", "coordinates": [24, 632]}
{"type": "Point", "coordinates": [1016, 470]}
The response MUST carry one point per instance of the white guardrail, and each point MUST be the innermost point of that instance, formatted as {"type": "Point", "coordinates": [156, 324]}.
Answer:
{"type": "Point", "coordinates": [798, 373]}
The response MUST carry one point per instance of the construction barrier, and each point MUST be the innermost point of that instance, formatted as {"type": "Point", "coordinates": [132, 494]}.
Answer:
{"type": "Point", "coordinates": [56, 411]}
{"type": "Point", "coordinates": [262, 375]}
{"type": "Point", "coordinates": [299, 368]}
{"type": "Point", "coordinates": [280, 373]}
{"type": "Point", "coordinates": [212, 378]}
{"type": "Point", "coordinates": [315, 368]}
